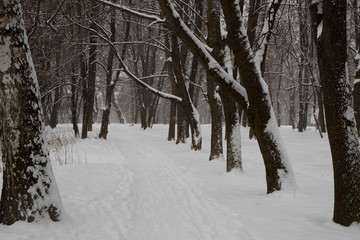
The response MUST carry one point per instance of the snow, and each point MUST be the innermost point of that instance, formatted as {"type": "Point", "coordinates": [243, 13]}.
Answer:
{"type": "Point", "coordinates": [319, 29]}
{"type": "Point", "coordinates": [138, 186]}
{"type": "Point", "coordinates": [205, 51]}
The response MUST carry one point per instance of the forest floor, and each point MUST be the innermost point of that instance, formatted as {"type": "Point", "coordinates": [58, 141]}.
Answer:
{"type": "Point", "coordinates": [138, 186]}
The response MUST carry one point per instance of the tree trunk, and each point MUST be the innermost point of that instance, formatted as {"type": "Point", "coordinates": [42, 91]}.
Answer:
{"type": "Point", "coordinates": [110, 82]}
{"type": "Point", "coordinates": [254, 10]}
{"type": "Point", "coordinates": [214, 40]}
{"type": "Point", "coordinates": [91, 79]}
{"type": "Point", "coordinates": [74, 98]}
{"type": "Point", "coordinates": [174, 105]}
{"type": "Point", "coordinates": [29, 191]}
{"type": "Point", "coordinates": [84, 78]}
{"type": "Point", "coordinates": [340, 119]}
{"type": "Point", "coordinates": [263, 122]}
{"type": "Point", "coordinates": [172, 120]}
{"type": "Point", "coordinates": [216, 147]}
{"type": "Point", "coordinates": [58, 91]}
{"type": "Point", "coordinates": [232, 134]}
{"type": "Point", "coordinates": [356, 97]}
{"type": "Point", "coordinates": [292, 114]}
{"type": "Point", "coordinates": [356, 90]}
{"type": "Point", "coordinates": [191, 114]}
{"type": "Point", "coordinates": [321, 116]}
{"type": "Point", "coordinates": [181, 125]}
{"type": "Point", "coordinates": [302, 99]}
{"type": "Point", "coordinates": [304, 77]}
{"type": "Point", "coordinates": [232, 126]}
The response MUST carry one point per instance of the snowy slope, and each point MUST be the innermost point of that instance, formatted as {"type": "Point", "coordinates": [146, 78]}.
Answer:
{"type": "Point", "coordinates": [138, 186]}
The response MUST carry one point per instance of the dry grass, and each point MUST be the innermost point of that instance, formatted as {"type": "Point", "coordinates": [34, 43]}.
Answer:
{"type": "Point", "coordinates": [62, 147]}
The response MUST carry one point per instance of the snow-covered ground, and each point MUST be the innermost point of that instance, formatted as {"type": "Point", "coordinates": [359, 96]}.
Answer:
{"type": "Point", "coordinates": [138, 186]}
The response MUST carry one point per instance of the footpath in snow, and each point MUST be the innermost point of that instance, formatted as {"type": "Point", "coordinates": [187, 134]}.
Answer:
{"type": "Point", "coordinates": [138, 186]}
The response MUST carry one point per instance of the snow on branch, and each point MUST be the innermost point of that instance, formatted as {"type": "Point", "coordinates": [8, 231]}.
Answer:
{"type": "Point", "coordinates": [153, 18]}
{"type": "Point", "coordinates": [201, 51]}
{"type": "Point", "coordinates": [269, 22]}
{"type": "Point", "coordinates": [126, 70]}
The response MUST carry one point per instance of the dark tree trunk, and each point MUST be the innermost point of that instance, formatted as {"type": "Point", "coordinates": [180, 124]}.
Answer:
{"type": "Point", "coordinates": [110, 82]}
{"type": "Point", "coordinates": [92, 76]}
{"type": "Point", "coordinates": [58, 91]}
{"type": "Point", "coordinates": [292, 114]}
{"type": "Point", "coordinates": [340, 119]}
{"type": "Point", "coordinates": [232, 133]}
{"type": "Point", "coordinates": [74, 100]}
{"type": "Point", "coordinates": [321, 115]}
{"type": "Point", "coordinates": [356, 97]}
{"type": "Point", "coordinates": [143, 115]}
{"type": "Point", "coordinates": [174, 116]}
{"type": "Point", "coordinates": [302, 98]}
{"type": "Point", "coordinates": [190, 112]}
{"type": "Point", "coordinates": [278, 107]}
{"type": "Point", "coordinates": [254, 10]}
{"type": "Point", "coordinates": [154, 105]}
{"type": "Point", "coordinates": [84, 81]}
{"type": "Point", "coordinates": [55, 108]}
{"type": "Point", "coordinates": [181, 125]}
{"type": "Point", "coordinates": [262, 114]}
{"type": "Point", "coordinates": [232, 126]}
{"type": "Point", "coordinates": [194, 64]}
{"type": "Point", "coordinates": [214, 40]}
{"type": "Point", "coordinates": [278, 169]}
{"type": "Point", "coordinates": [253, 18]}
{"type": "Point", "coordinates": [216, 148]}
{"type": "Point", "coordinates": [29, 191]}
{"type": "Point", "coordinates": [304, 32]}
{"type": "Point", "coordinates": [84, 78]}
{"type": "Point", "coordinates": [172, 120]}
{"type": "Point", "coordinates": [356, 90]}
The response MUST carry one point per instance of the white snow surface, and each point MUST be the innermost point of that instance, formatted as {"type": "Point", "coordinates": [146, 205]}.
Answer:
{"type": "Point", "coordinates": [138, 186]}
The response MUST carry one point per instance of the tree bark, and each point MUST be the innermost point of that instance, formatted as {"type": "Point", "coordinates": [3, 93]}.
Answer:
{"type": "Point", "coordinates": [263, 120]}
{"type": "Point", "coordinates": [214, 40]}
{"type": "Point", "coordinates": [340, 118]}
{"type": "Point", "coordinates": [304, 33]}
{"type": "Point", "coordinates": [172, 119]}
{"type": "Point", "coordinates": [74, 100]}
{"type": "Point", "coordinates": [29, 191]}
{"type": "Point", "coordinates": [356, 90]}
{"type": "Point", "coordinates": [92, 72]}
{"type": "Point", "coordinates": [110, 82]}
{"type": "Point", "coordinates": [191, 114]}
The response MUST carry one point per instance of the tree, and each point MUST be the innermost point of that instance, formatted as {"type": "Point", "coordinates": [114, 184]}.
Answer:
{"type": "Point", "coordinates": [277, 165]}
{"type": "Point", "coordinates": [29, 191]}
{"type": "Point", "coordinates": [214, 40]}
{"type": "Point", "coordinates": [340, 119]}
{"type": "Point", "coordinates": [91, 80]}
{"type": "Point", "coordinates": [232, 121]}
{"type": "Point", "coordinates": [356, 91]}
{"type": "Point", "coordinates": [263, 122]}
